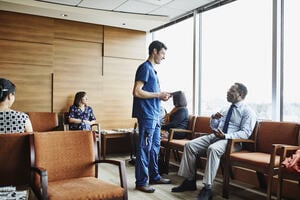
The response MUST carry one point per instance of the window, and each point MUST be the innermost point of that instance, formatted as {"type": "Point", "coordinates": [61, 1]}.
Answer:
{"type": "Point", "coordinates": [291, 94]}
{"type": "Point", "coordinates": [176, 71]}
{"type": "Point", "coordinates": [237, 47]}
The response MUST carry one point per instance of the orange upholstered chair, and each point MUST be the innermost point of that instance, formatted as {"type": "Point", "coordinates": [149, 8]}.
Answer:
{"type": "Point", "coordinates": [264, 159]}
{"type": "Point", "coordinates": [285, 173]}
{"type": "Point", "coordinates": [14, 159]}
{"type": "Point", "coordinates": [199, 126]}
{"type": "Point", "coordinates": [65, 166]}
{"type": "Point", "coordinates": [44, 121]}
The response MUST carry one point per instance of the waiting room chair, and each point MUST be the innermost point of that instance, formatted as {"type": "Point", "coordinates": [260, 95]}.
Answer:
{"type": "Point", "coordinates": [65, 166]}
{"type": "Point", "coordinates": [95, 127]}
{"type": "Point", "coordinates": [44, 121]}
{"type": "Point", "coordinates": [198, 126]}
{"type": "Point", "coordinates": [14, 159]}
{"type": "Point", "coordinates": [264, 158]}
{"type": "Point", "coordinates": [284, 173]}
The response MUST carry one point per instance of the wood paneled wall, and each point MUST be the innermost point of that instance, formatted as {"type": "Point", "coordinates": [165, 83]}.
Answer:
{"type": "Point", "coordinates": [49, 60]}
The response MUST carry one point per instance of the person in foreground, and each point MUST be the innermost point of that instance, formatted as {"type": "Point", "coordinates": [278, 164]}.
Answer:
{"type": "Point", "coordinates": [178, 117]}
{"type": "Point", "coordinates": [81, 116]}
{"type": "Point", "coordinates": [146, 108]}
{"type": "Point", "coordinates": [236, 121]}
{"type": "Point", "coordinates": [11, 121]}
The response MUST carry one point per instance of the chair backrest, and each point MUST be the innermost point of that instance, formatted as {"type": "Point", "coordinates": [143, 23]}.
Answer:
{"type": "Point", "coordinates": [44, 121]}
{"type": "Point", "coordinates": [191, 122]}
{"type": "Point", "coordinates": [14, 159]}
{"type": "Point", "coordinates": [202, 124]}
{"type": "Point", "coordinates": [64, 154]}
{"type": "Point", "coordinates": [271, 132]}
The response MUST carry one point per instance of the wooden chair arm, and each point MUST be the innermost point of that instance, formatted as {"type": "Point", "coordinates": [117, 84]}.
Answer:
{"type": "Point", "coordinates": [122, 171]}
{"type": "Point", "coordinates": [284, 149]}
{"type": "Point", "coordinates": [232, 142]}
{"type": "Point", "coordinates": [173, 130]}
{"type": "Point", "coordinates": [43, 190]}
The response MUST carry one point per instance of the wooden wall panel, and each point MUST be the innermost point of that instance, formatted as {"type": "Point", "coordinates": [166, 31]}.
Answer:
{"type": "Point", "coordinates": [124, 43]}
{"type": "Point", "coordinates": [29, 28]}
{"type": "Point", "coordinates": [33, 86]}
{"type": "Point", "coordinates": [77, 67]}
{"type": "Point", "coordinates": [77, 56]}
{"type": "Point", "coordinates": [78, 31]}
{"type": "Point", "coordinates": [25, 53]}
{"type": "Point", "coordinates": [117, 91]}
{"type": "Point", "coordinates": [33, 48]}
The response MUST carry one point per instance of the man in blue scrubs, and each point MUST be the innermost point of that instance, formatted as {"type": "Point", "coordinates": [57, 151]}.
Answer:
{"type": "Point", "coordinates": [146, 108]}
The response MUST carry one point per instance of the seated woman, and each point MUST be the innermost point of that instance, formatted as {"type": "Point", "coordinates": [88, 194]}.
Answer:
{"type": "Point", "coordinates": [178, 117]}
{"type": "Point", "coordinates": [11, 121]}
{"type": "Point", "coordinates": [81, 116]}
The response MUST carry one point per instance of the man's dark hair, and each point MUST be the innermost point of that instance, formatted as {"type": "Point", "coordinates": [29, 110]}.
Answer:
{"type": "Point", "coordinates": [156, 45]}
{"type": "Point", "coordinates": [242, 89]}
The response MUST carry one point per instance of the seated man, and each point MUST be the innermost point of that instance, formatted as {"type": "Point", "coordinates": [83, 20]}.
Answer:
{"type": "Point", "coordinates": [237, 121]}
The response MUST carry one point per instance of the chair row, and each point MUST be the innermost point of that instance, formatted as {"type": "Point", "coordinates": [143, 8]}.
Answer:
{"type": "Point", "coordinates": [52, 121]}
{"type": "Point", "coordinates": [58, 165]}
{"type": "Point", "coordinates": [261, 152]}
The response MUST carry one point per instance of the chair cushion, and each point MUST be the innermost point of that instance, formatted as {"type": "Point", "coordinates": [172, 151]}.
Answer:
{"type": "Point", "coordinates": [178, 144]}
{"type": "Point", "coordinates": [43, 121]}
{"type": "Point", "coordinates": [84, 188]}
{"type": "Point", "coordinates": [203, 125]}
{"type": "Point", "coordinates": [261, 160]}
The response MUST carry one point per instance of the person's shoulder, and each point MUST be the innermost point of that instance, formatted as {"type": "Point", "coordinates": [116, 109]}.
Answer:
{"type": "Point", "coordinates": [145, 65]}
{"type": "Point", "coordinates": [89, 107]}
{"type": "Point", "coordinates": [248, 110]}
{"type": "Point", "coordinates": [19, 113]}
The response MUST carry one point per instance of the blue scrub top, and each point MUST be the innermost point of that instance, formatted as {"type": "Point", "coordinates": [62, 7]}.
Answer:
{"type": "Point", "coordinates": [147, 108]}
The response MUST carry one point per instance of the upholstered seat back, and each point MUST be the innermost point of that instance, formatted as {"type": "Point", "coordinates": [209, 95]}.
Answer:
{"type": "Point", "coordinates": [44, 121]}
{"type": "Point", "coordinates": [202, 125]}
{"type": "Point", "coordinates": [65, 154]}
{"type": "Point", "coordinates": [270, 132]}
{"type": "Point", "coordinates": [14, 159]}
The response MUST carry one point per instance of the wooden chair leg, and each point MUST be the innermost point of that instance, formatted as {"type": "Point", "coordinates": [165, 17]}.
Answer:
{"type": "Point", "coordinates": [226, 177]}
{"type": "Point", "coordinates": [167, 159]}
{"type": "Point", "coordinates": [279, 185]}
{"type": "Point", "coordinates": [261, 180]}
{"type": "Point", "coordinates": [269, 186]}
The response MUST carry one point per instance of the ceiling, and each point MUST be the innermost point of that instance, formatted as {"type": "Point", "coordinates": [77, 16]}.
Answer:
{"type": "Point", "coordinates": [141, 15]}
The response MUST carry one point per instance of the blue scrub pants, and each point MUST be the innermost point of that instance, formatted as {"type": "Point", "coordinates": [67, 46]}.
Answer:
{"type": "Point", "coordinates": [148, 146]}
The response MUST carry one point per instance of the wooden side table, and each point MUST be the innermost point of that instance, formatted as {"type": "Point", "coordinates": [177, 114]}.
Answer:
{"type": "Point", "coordinates": [110, 134]}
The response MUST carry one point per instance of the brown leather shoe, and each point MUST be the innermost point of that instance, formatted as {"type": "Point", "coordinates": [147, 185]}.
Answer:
{"type": "Point", "coordinates": [145, 188]}
{"type": "Point", "coordinates": [160, 181]}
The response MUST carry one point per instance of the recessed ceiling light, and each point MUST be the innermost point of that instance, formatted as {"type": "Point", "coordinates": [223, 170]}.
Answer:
{"type": "Point", "coordinates": [64, 15]}
{"type": "Point", "coordinates": [123, 24]}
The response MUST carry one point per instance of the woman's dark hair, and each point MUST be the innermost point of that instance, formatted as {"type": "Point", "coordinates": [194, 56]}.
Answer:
{"type": "Point", "coordinates": [6, 88]}
{"type": "Point", "coordinates": [78, 97]}
{"type": "Point", "coordinates": [242, 90]}
{"type": "Point", "coordinates": [156, 45]}
{"type": "Point", "coordinates": [179, 99]}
